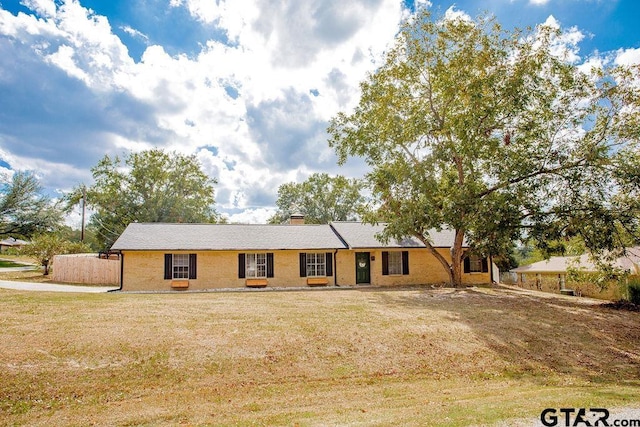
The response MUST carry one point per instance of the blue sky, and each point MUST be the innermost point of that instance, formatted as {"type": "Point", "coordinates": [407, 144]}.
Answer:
{"type": "Point", "coordinates": [248, 86]}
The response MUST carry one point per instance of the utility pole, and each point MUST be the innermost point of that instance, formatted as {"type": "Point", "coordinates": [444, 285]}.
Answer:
{"type": "Point", "coordinates": [84, 204]}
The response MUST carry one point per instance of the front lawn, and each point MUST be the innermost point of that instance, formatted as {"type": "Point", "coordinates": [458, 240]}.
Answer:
{"type": "Point", "coordinates": [353, 357]}
{"type": "Point", "coordinates": [10, 264]}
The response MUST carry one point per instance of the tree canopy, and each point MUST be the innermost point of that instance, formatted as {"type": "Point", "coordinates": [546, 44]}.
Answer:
{"type": "Point", "coordinates": [24, 210]}
{"type": "Point", "coordinates": [150, 186]}
{"type": "Point", "coordinates": [45, 246]}
{"type": "Point", "coordinates": [493, 134]}
{"type": "Point", "coordinates": [321, 198]}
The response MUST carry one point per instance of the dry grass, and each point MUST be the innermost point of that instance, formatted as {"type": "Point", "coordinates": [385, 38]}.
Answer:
{"type": "Point", "coordinates": [353, 357]}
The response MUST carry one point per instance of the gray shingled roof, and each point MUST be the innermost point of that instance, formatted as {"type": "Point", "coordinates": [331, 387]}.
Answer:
{"type": "Point", "coordinates": [359, 235]}
{"type": "Point", "coordinates": [160, 236]}
{"type": "Point", "coordinates": [558, 264]}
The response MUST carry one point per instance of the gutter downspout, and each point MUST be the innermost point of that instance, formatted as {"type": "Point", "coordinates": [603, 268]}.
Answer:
{"type": "Point", "coordinates": [335, 254]}
{"type": "Point", "coordinates": [335, 268]}
{"type": "Point", "coordinates": [121, 272]}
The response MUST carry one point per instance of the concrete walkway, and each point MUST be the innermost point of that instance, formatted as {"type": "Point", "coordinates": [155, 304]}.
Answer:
{"type": "Point", "coordinates": [52, 287]}
{"type": "Point", "coordinates": [47, 287]}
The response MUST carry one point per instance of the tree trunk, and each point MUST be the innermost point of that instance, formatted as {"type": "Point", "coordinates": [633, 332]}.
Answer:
{"type": "Point", "coordinates": [445, 264]}
{"type": "Point", "coordinates": [456, 259]}
{"type": "Point", "coordinates": [46, 267]}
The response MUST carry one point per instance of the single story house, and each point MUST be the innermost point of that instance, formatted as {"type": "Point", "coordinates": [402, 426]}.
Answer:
{"type": "Point", "coordinates": [556, 268]}
{"type": "Point", "coordinates": [11, 243]}
{"type": "Point", "coordinates": [160, 256]}
{"type": "Point", "coordinates": [559, 265]}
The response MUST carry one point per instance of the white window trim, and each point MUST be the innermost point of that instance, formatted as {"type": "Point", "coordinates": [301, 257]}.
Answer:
{"type": "Point", "coordinates": [315, 262]}
{"type": "Point", "coordinates": [180, 266]}
{"type": "Point", "coordinates": [256, 265]}
{"type": "Point", "coordinates": [395, 265]}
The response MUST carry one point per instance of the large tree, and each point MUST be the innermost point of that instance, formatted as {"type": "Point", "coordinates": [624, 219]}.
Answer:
{"type": "Point", "coordinates": [321, 198]}
{"type": "Point", "coordinates": [150, 186]}
{"type": "Point", "coordinates": [24, 209]}
{"type": "Point", "coordinates": [493, 134]}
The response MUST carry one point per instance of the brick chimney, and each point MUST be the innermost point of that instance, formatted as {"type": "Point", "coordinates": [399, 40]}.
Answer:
{"type": "Point", "coordinates": [296, 218]}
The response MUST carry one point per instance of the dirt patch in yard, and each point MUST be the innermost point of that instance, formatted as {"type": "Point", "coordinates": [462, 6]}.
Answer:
{"type": "Point", "coordinates": [372, 357]}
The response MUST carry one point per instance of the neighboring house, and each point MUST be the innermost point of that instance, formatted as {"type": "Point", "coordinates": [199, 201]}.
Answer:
{"type": "Point", "coordinates": [554, 271]}
{"type": "Point", "coordinates": [11, 243]}
{"type": "Point", "coordinates": [158, 256]}
{"type": "Point", "coordinates": [559, 266]}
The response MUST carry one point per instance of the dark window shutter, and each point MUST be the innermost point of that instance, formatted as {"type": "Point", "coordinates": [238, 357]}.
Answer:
{"type": "Point", "coordinates": [168, 266]}
{"type": "Point", "coordinates": [405, 262]}
{"type": "Point", "coordinates": [303, 265]}
{"type": "Point", "coordinates": [329, 264]}
{"type": "Point", "coordinates": [385, 263]}
{"type": "Point", "coordinates": [485, 265]}
{"type": "Point", "coordinates": [269, 264]}
{"type": "Point", "coordinates": [241, 266]}
{"type": "Point", "coordinates": [193, 266]}
{"type": "Point", "coordinates": [467, 264]}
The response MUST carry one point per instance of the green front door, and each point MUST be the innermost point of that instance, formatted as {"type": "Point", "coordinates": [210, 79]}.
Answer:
{"type": "Point", "coordinates": [363, 273]}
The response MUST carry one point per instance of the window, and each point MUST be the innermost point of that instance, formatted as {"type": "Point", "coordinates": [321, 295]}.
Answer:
{"type": "Point", "coordinates": [256, 265]}
{"type": "Point", "coordinates": [316, 264]}
{"type": "Point", "coordinates": [180, 266]}
{"type": "Point", "coordinates": [395, 263]}
{"type": "Point", "coordinates": [475, 264]}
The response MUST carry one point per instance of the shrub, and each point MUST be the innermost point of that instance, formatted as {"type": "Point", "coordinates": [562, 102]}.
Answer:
{"type": "Point", "coordinates": [634, 290]}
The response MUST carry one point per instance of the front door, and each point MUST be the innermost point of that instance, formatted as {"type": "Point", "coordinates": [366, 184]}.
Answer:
{"type": "Point", "coordinates": [363, 272]}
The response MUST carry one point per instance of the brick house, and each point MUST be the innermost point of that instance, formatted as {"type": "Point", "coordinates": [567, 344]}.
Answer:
{"type": "Point", "coordinates": [157, 256]}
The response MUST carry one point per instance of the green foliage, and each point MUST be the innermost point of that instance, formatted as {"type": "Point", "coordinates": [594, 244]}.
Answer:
{"type": "Point", "coordinates": [634, 290]}
{"type": "Point", "coordinates": [321, 198]}
{"type": "Point", "coordinates": [150, 186]}
{"type": "Point", "coordinates": [24, 210]}
{"type": "Point", "coordinates": [537, 251]}
{"type": "Point", "coordinates": [606, 275]}
{"type": "Point", "coordinates": [45, 246]}
{"type": "Point", "coordinates": [489, 133]}
{"type": "Point", "coordinates": [73, 235]}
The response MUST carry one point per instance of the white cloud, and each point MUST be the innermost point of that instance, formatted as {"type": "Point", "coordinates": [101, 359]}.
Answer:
{"type": "Point", "coordinates": [628, 57]}
{"type": "Point", "coordinates": [63, 58]}
{"type": "Point", "coordinates": [565, 45]}
{"type": "Point", "coordinates": [45, 8]}
{"type": "Point", "coordinates": [305, 54]}
{"type": "Point", "coordinates": [594, 62]}
{"type": "Point", "coordinates": [134, 33]}
{"type": "Point", "coordinates": [251, 216]}
{"type": "Point", "coordinates": [452, 14]}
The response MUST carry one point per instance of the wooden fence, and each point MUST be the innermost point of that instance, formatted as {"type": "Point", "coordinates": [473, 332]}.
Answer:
{"type": "Point", "coordinates": [85, 268]}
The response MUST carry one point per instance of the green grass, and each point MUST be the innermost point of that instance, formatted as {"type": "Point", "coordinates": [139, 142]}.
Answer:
{"type": "Point", "coordinates": [10, 264]}
{"type": "Point", "coordinates": [370, 357]}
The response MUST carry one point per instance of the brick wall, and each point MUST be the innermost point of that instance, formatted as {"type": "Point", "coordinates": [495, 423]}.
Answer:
{"type": "Point", "coordinates": [144, 270]}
